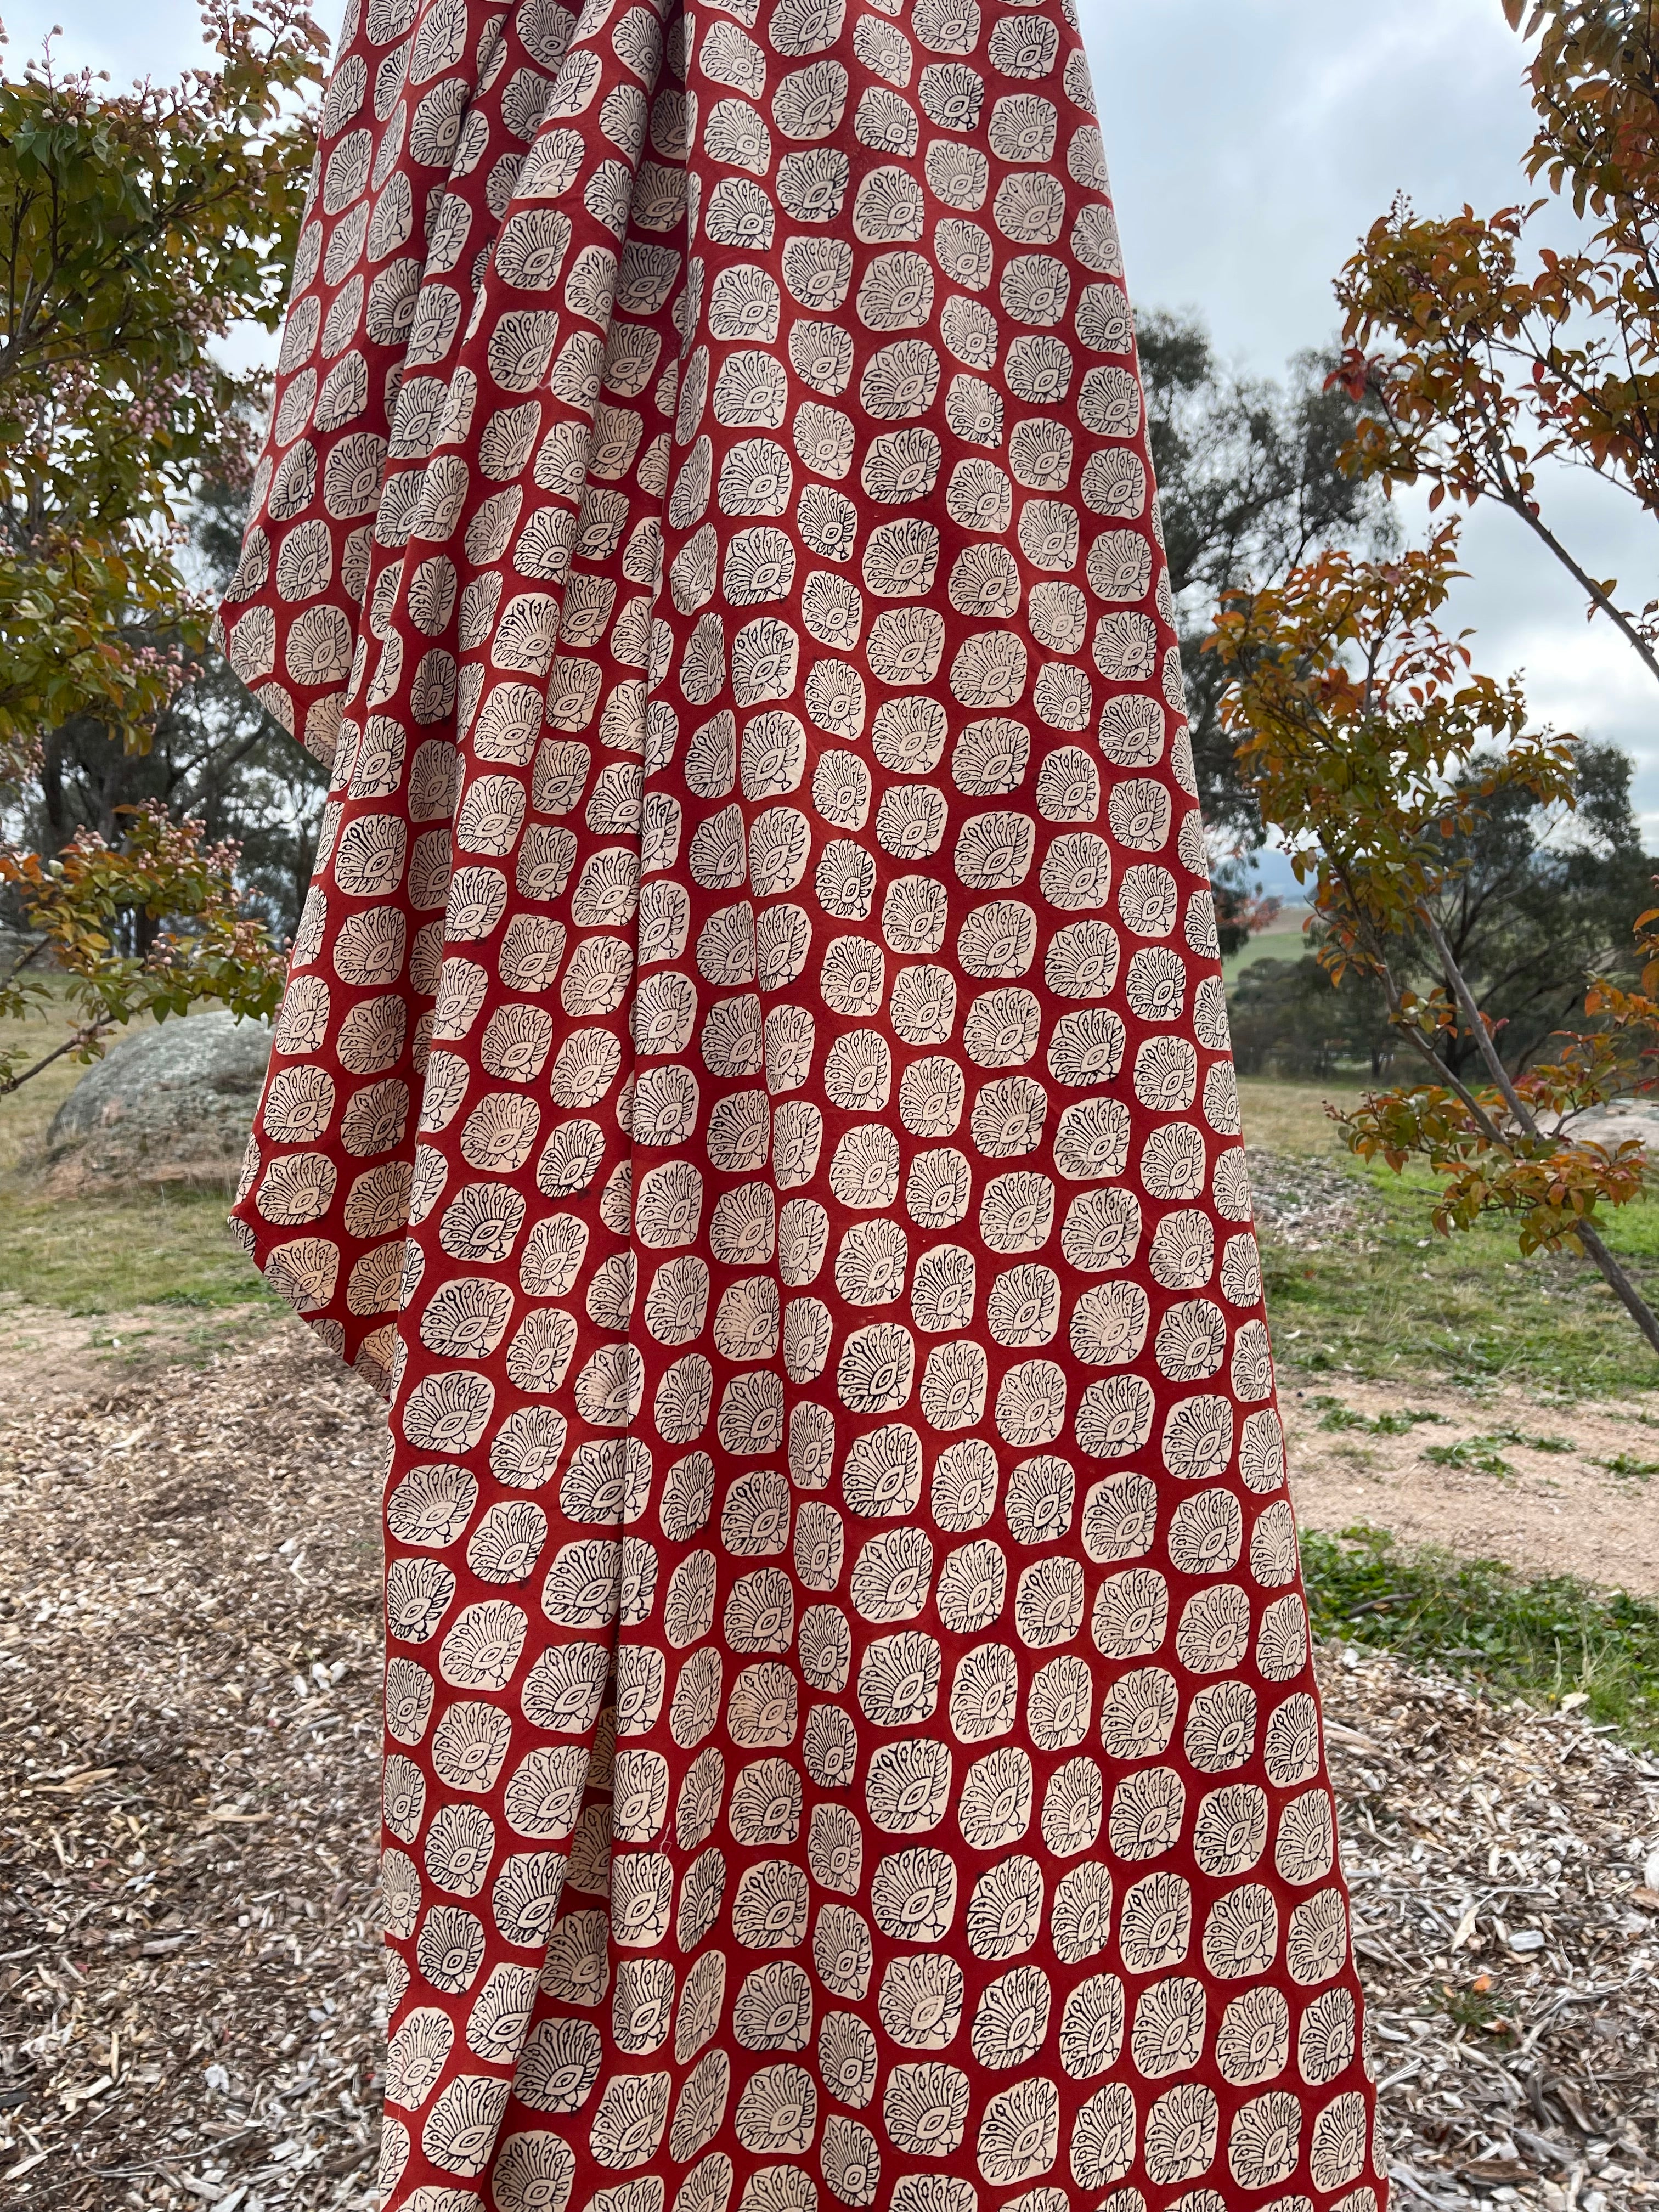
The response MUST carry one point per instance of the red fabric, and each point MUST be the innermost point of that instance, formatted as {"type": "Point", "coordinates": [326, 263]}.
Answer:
{"type": "Point", "coordinates": [754, 1090]}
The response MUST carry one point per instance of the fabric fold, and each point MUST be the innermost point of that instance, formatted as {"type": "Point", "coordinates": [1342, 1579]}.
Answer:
{"type": "Point", "coordinates": [753, 1092]}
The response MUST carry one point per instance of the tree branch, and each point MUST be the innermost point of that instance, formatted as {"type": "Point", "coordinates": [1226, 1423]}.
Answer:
{"type": "Point", "coordinates": [1517, 505]}
{"type": "Point", "coordinates": [1611, 1271]}
{"type": "Point", "coordinates": [74, 1043]}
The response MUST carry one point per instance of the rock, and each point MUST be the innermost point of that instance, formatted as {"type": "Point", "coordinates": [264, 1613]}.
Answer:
{"type": "Point", "coordinates": [170, 1104]}
{"type": "Point", "coordinates": [1620, 1122]}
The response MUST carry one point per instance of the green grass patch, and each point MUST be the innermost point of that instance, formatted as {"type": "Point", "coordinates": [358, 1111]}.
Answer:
{"type": "Point", "coordinates": [1337, 1416]}
{"type": "Point", "coordinates": [1627, 1464]}
{"type": "Point", "coordinates": [154, 1244]}
{"type": "Point", "coordinates": [157, 1246]}
{"type": "Point", "coordinates": [1479, 1454]}
{"type": "Point", "coordinates": [1393, 1299]}
{"type": "Point", "coordinates": [1528, 1442]}
{"type": "Point", "coordinates": [1384, 1302]}
{"type": "Point", "coordinates": [1284, 938]}
{"type": "Point", "coordinates": [1541, 1640]}
{"type": "Point", "coordinates": [1484, 1454]}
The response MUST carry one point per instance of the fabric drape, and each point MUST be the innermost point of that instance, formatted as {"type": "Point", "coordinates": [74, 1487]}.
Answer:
{"type": "Point", "coordinates": [753, 1091]}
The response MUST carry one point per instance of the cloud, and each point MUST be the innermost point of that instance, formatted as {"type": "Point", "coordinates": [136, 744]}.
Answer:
{"type": "Point", "coordinates": [1252, 143]}
{"type": "Point", "coordinates": [155, 41]}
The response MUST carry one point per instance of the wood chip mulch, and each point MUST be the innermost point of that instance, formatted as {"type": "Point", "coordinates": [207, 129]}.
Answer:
{"type": "Point", "coordinates": [190, 1977]}
{"type": "Point", "coordinates": [1307, 1205]}
{"type": "Point", "coordinates": [189, 1734]}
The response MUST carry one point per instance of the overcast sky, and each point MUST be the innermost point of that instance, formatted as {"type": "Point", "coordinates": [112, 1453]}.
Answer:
{"type": "Point", "coordinates": [1251, 142]}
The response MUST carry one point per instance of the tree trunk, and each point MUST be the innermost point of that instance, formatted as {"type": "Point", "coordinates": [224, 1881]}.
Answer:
{"type": "Point", "coordinates": [52, 787]}
{"type": "Point", "coordinates": [1611, 1271]}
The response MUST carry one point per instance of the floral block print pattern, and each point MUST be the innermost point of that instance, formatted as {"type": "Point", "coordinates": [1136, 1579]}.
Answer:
{"type": "Point", "coordinates": [753, 1090]}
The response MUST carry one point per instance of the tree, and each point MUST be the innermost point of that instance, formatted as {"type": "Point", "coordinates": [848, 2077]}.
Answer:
{"type": "Point", "coordinates": [1541, 898]}
{"type": "Point", "coordinates": [79, 905]}
{"type": "Point", "coordinates": [1285, 1019]}
{"type": "Point", "coordinates": [1383, 759]}
{"type": "Point", "coordinates": [213, 757]}
{"type": "Point", "coordinates": [137, 230]}
{"type": "Point", "coordinates": [1485, 363]}
{"type": "Point", "coordinates": [1249, 480]}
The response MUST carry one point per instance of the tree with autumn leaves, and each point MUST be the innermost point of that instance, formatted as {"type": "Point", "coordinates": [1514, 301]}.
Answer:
{"type": "Point", "coordinates": [137, 230]}
{"type": "Point", "coordinates": [1483, 364]}
{"type": "Point", "coordinates": [1376, 749]}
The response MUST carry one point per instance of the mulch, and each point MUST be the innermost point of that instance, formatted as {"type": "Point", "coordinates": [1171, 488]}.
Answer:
{"type": "Point", "coordinates": [190, 1977]}
{"type": "Point", "coordinates": [1307, 1205]}
{"type": "Point", "coordinates": [190, 1967]}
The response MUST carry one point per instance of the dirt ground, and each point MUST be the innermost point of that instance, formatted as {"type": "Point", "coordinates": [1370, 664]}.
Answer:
{"type": "Point", "coordinates": [1550, 1489]}
{"type": "Point", "coordinates": [189, 1966]}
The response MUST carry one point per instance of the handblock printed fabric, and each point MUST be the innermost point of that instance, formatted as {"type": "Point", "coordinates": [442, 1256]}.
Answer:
{"type": "Point", "coordinates": [754, 1090]}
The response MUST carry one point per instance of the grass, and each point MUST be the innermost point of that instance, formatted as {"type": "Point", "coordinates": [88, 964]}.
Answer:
{"type": "Point", "coordinates": [1541, 1640]}
{"type": "Point", "coordinates": [1394, 1300]}
{"type": "Point", "coordinates": [1335, 1415]}
{"type": "Point", "coordinates": [1284, 938]}
{"type": "Point", "coordinates": [162, 1246]}
{"type": "Point", "coordinates": [1484, 1454]}
{"type": "Point", "coordinates": [1627, 1464]}
{"type": "Point", "coordinates": [1290, 1117]}
{"type": "Point", "coordinates": [26, 1115]}
{"type": "Point", "coordinates": [154, 1244]}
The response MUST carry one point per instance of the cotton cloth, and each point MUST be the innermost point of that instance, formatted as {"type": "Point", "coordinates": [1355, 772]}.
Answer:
{"type": "Point", "coordinates": [753, 1090]}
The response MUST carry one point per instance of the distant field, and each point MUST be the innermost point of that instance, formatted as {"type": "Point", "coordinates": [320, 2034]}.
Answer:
{"type": "Point", "coordinates": [1280, 940]}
